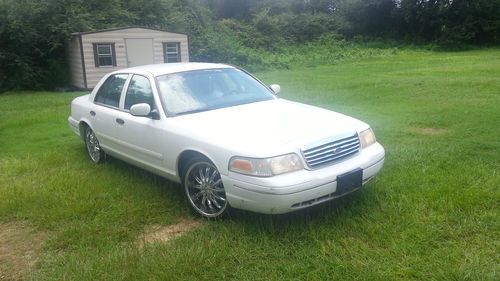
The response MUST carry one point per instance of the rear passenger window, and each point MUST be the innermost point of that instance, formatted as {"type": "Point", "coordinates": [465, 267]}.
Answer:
{"type": "Point", "coordinates": [111, 89]}
{"type": "Point", "coordinates": [139, 91]}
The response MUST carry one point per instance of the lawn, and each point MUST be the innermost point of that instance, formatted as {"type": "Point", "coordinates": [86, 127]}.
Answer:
{"type": "Point", "coordinates": [432, 213]}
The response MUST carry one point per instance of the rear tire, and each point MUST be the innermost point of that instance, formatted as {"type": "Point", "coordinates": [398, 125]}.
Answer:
{"type": "Point", "coordinates": [94, 150]}
{"type": "Point", "coordinates": [204, 189]}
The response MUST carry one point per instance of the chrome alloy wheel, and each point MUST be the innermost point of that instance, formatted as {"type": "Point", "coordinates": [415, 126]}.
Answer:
{"type": "Point", "coordinates": [93, 147]}
{"type": "Point", "coordinates": [204, 189]}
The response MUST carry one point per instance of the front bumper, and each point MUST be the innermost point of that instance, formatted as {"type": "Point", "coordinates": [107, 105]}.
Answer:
{"type": "Point", "coordinates": [301, 189]}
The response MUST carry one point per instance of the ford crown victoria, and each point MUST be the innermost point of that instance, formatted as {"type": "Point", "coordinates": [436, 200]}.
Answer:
{"type": "Point", "coordinates": [225, 137]}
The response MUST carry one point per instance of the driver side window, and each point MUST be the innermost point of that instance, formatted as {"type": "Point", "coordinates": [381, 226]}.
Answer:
{"type": "Point", "coordinates": [139, 91]}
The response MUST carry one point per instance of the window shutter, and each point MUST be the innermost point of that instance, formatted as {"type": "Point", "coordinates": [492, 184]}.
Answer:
{"type": "Point", "coordinates": [164, 52]}
{"type": "Point", "coordinates": [113, 53]}
{"type": "Point", "coordinates": [179, 58]}
{"type": "Point", "coordinates": [96, 58]}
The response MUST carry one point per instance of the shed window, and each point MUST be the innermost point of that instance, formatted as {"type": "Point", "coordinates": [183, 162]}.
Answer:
{"type": "Point", "coordinates": [104, 54]}
{"type": "Point", "coordinates": [172, 52]}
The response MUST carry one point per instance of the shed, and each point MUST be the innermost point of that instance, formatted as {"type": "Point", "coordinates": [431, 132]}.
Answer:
{"type": "Point", "coordinates": [93, 54]}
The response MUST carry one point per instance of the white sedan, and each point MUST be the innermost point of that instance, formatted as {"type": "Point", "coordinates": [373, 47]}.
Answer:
{"type": "Point", "coordinates": [226, 137]}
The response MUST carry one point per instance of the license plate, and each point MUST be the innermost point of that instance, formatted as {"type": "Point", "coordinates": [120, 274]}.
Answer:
{"type": "Point", "coordinates": [349, 181]}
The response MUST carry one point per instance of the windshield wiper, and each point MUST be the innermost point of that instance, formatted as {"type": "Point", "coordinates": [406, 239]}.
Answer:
{"type": "Point", "coordinates": [193, 111]}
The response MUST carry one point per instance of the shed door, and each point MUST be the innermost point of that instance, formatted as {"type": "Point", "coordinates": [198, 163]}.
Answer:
{"type": "Point", "coordinates": [139, 52]}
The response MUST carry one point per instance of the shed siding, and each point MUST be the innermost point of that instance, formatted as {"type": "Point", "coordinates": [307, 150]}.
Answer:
{"type": "Point", "coordinates": [94, 74]}
{"type": "Point", "coordinates": [75, 62]}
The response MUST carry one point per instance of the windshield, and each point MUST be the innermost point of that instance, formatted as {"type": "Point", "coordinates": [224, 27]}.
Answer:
{"type": "Point", "coordinates": [201, 90]}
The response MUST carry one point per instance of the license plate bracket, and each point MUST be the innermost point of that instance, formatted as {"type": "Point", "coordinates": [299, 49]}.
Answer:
{"type": "Point", "coordinates": [349, 181]}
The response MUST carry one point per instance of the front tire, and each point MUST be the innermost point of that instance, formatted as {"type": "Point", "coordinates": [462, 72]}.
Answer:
{"type": "Point", "coordinates": [204, 189]}
{"type": "Point", "coordinates": [94, 150]}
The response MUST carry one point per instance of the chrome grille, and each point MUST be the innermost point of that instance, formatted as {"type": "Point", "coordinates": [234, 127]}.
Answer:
{"type": "Point", "coordinates": [331, 151]}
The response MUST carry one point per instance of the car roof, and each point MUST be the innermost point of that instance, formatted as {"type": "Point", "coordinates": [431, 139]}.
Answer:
{"type": "Point", "coordinates": [167, 68]}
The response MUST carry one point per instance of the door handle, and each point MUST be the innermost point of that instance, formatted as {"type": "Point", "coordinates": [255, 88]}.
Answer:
{"type": "Point", "coordinates": [92, 113]}
{"type": "Point", "coordinates": [120, 121]}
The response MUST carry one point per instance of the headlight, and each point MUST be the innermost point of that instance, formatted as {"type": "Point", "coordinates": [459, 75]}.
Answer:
{"type": "Point", "coordinates": [367, 138]}
{"type": "Point", "coordinates": [266, 167]}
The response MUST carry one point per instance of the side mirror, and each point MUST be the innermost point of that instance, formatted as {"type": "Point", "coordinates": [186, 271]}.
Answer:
{"type": "Point", "coordinates": [140, 109]}
{"type": "Point", "coordinates": [275, 88]}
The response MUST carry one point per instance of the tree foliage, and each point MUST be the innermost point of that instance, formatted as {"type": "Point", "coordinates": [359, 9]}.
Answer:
{"type": "Point", "coordinates": [33, 32]}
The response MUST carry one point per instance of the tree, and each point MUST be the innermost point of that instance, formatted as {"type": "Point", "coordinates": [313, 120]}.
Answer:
{"type": "Point", "coordinates": [33, 32]}
{"type": "Point", "coordinates": [475, 22]}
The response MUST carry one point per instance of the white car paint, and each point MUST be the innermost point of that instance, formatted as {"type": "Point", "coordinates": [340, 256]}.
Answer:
{"type": "Point", "coordinates": [261, 129]}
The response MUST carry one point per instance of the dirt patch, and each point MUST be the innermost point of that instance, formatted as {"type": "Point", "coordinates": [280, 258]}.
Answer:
{"type": "Point", "coordinates": [164, 233]}
{"type": "Point", "coordinates": [20, 247]}
{"type": "Point", "coordinates": [430, 131]}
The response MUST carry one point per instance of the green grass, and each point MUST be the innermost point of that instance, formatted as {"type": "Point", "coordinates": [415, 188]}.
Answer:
{"type": "Point", "coordinates": [432, 213]}
{"type": "Point", "coordinates": [325, 50]}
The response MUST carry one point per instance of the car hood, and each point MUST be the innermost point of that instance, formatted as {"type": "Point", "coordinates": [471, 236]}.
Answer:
{"type": "Point", "coordinates": [267, 126]}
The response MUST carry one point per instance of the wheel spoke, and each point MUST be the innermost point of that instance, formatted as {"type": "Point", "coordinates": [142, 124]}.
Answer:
{"type": "Point", "coordinates": [198, 180]}
{"type": "Point", "coordinates": [202, 177]}
{"type": "Point", "coordinates": [215, 202]}
{"type": "Point", "coordinates": [217, 197]}
{"type": "Point", "coordinates": [216, 183]}
{"type": "Point", "coordinates": [212, 177]}
{"type": "Point", "coordinates": [209, 203]}
{"type": "Point", "coordinates": [217, 190]}
{"type": "Point", "coordinates": [193, 185]}
{"type": "Point", "coordinates": [203, 200]}
{"type": "Point", "coordinates": [207, 174]}
{"type": "Point", "coordinates": [196, 196]}
{"type": "Point", "coordinates": [96, 143]}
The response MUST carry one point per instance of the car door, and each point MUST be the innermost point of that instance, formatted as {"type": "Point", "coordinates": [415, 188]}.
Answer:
{"type": "Point", "coordinates": [141, 138]}
{"type": "Point", "coordinates": [104, 111]}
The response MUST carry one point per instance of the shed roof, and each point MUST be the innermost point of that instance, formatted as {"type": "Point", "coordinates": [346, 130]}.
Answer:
{"type": "Point", "coordinates": [121, 28]}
